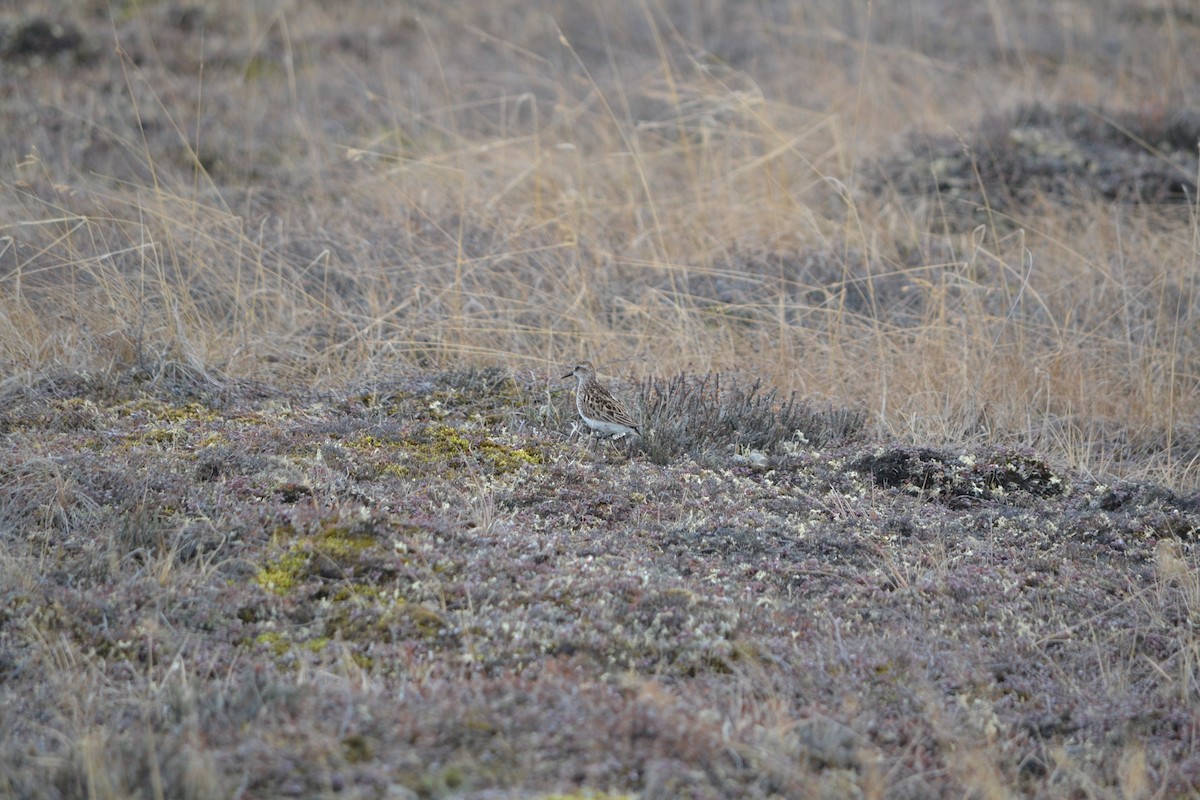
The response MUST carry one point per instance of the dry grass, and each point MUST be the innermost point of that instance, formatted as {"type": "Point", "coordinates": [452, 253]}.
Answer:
{"type": "Point", "coordinates": [970, 225]}
{"type": "Point", "coordinates": [313, 196]}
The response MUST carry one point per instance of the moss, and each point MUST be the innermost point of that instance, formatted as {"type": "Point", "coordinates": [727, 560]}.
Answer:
{"type": "Point", "coordinates": [429, 623]}
{"type": "Point", "coordinates": [365, 624]}
{"type": "Point", "coordinates": [337, 539]}
{"type": "Point", "coordinates": [162, 412]}
{"type": "Point", "coordinates": [444, 447]}
{"type": "Point", "coordinates": [366, 441]}
{"type": "Point", "coordinates": [507, 459]}
{"type": "Point", "coordinates": [212, 440]}
{"type": "Point", "coordinates": [281, 645]}
{"type": "Point", "coordinates": [449, 441]}
{"type": "Point", "coordinates": [354, 590]}
{"type": "Point", "coordinates": [284, 573]}
{"type": "Point", "coordinates": [172, 427]}
{"type": "Point", "coordinates": [343, 541]}
{"type": "Point", "coordinates": [273, 641]}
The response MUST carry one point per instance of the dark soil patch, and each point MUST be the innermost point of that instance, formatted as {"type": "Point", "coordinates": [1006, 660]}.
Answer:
{"type": "Point", "coordinates": [40, 38]}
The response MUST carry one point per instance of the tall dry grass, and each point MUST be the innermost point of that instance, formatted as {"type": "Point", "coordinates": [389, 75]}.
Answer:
{"type": "Point", "coordinates": [321, 195]}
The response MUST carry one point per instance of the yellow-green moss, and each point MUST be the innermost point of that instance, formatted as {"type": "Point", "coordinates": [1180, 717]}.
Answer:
{"type": "Point", "coordinates": [212, 440]}
{"type": "Point", "coordinates": [366, 441]}
{"type": "Point", "coordinates": [398, 470]}
{"type": "Point", "coordinates": [445, 444]}
{"type": "Point", "coordinates": [273, 641]}
{"type": "Point", "coordinates": [280, 645]}
{"type": "Point", "coordinates": [340, 541]}
{"type": "Point", "coordinates": [337, 539]}
{"type": "Point", "coordinates": [281, 575]}
{"type": "Point", "coordinates": [351, 591]}
{"type": "Point", "coordinates": [162, 412]}
{"type": "Point", "coordinates": [444, 447]}
{"type": "Point", "coordinates": [506, 459]}
{"type": "Point", "coordinates": [449, 441]}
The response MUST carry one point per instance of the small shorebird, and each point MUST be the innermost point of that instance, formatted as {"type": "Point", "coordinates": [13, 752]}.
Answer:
{"type": "Point", "coordinates": [599, 409]}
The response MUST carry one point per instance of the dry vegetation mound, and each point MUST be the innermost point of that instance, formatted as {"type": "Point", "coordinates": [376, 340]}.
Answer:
{"type": "Point", "coordinates": [1067, 154]}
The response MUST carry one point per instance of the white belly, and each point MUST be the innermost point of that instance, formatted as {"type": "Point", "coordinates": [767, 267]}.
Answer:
{"type": "Point", "coordinates": [607, 428]}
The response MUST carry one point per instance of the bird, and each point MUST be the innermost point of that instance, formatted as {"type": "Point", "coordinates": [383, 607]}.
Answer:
{"type": "Point", "coordinates": [602, 412]}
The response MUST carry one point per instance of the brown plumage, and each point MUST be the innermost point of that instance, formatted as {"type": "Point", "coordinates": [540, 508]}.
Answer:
{"type": "Point", "coordinates": [599, 409]}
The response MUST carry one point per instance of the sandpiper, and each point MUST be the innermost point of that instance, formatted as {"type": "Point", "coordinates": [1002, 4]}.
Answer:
{"type": "Point", "coordinates": [599, 409]}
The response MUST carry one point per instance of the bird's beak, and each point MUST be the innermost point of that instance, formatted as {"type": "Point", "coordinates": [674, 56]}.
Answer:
{"type": "Point", "coordinates": [568, 375]}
